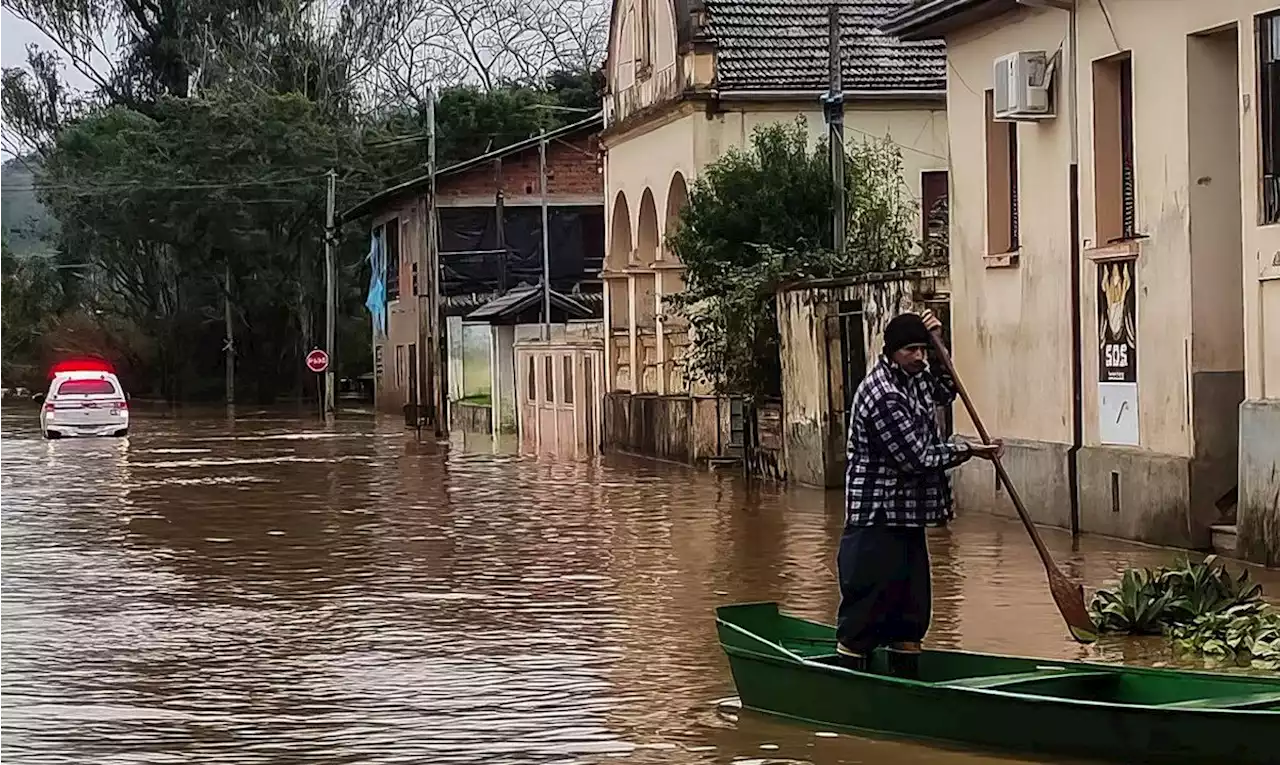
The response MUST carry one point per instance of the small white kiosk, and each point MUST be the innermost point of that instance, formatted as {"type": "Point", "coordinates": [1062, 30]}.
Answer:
{"type": "Point", "coordinates": [559, 396]}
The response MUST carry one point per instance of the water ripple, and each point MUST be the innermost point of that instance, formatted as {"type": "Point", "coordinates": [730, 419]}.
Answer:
{"type": "Point", "coordinates": [269, 590]}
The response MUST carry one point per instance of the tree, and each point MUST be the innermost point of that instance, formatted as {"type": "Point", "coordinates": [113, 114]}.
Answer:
{"type": "Point", "coordinates": [759, 218]}
{"type": "Point", "coordinates": [471, 121]}
{"type": "Point", "coordinates": [31, 296]}
{"type": "Point", "coordinates": [490, 44]}
{"type": "Point", "coordinates": [191, 175]}
{"type": "Point", "coordinates": [166, 206]}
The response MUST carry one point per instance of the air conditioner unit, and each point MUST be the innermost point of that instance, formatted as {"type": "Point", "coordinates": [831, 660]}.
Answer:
{"type": "Point", "coordinates": [1021, 82]}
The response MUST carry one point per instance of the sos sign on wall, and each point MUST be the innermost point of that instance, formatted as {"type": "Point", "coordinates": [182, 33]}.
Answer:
{"type": "Point", "coordinates": [1117, 323]}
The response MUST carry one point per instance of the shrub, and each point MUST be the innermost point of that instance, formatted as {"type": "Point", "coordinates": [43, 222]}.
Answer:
{"type": "Point", "coordinates": [1199, 606]}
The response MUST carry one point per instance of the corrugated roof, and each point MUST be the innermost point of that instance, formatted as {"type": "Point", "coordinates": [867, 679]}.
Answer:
{"type": "Point", "coordinates": [521, 299]}
{"type": "Point", "coordinates": [773, 45]}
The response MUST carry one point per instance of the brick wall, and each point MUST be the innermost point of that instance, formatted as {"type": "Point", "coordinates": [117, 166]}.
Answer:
{"type": "Point", "coordinates": [569, 172]}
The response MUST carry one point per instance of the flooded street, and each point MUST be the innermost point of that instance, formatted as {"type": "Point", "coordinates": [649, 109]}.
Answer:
{"type": "Point", "coordinates": [273, 591]}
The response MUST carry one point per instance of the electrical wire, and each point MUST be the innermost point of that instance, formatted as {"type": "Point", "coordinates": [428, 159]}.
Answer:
{"type": "Point", "coordinates": [135, 186]}
{"type": "Point", "coordinates": [902, 146]}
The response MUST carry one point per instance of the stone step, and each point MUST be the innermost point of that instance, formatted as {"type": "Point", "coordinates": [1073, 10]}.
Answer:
{"type": "Point", "coordinates": [1223, 538]}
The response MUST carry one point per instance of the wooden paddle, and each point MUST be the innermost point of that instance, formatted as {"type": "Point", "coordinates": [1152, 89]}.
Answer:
{"type": "Point", "coordinates": [1069, 597]}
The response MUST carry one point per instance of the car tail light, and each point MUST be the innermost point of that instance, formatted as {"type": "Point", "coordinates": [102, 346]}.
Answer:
{"type": "Point", "coordinates": [49, 407]}
{"type": "Point", "coordinates": [121, 405]}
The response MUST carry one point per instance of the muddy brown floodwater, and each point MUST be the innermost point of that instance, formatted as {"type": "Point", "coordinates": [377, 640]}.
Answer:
{"type": "Point", "coordinates": [275, 591]}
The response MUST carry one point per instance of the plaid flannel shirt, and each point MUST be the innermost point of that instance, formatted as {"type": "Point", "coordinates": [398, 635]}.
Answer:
{"type": "Point", "coordinates": [896, 457]}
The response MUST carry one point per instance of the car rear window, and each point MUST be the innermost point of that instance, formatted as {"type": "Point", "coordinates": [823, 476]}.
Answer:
{"type": "Point", "coordinates": [86, 388]}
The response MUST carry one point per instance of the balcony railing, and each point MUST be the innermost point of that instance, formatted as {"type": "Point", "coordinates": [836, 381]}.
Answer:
{"type": "Point", "coordinates": [663, 85]}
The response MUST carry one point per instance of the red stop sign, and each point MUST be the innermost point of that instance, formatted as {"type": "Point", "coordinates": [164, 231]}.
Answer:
{"type": "Point", "coordinates": [317, 361]}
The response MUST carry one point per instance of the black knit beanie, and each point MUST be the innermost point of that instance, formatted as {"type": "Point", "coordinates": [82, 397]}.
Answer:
{"type": "Point", "coordinates": [903, 330]}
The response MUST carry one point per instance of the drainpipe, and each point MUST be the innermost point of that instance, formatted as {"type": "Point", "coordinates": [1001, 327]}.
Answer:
{"type": "Point", "coordinates": [1077, 372]}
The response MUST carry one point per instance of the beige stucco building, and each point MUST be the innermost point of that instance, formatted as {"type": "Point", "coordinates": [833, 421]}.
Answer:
{"type": "Point", "coordinates": [688, 80]}
{"type": "Point", "coordinates": [1133, 363]}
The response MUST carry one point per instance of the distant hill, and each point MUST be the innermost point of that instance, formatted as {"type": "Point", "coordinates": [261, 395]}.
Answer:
{"type": "Point", "coordinates": [28, 227]}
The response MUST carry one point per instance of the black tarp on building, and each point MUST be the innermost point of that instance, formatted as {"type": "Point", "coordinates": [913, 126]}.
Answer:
{"type": "Point", "coordinates": [469, 237]}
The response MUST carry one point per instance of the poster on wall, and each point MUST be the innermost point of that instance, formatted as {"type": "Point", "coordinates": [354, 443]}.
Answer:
{"type": "Point", "coordinates": [1117, 353]}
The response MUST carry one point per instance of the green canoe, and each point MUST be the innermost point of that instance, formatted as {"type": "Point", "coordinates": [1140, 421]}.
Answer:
{"type": "Point", "coordinates": [784, 666]}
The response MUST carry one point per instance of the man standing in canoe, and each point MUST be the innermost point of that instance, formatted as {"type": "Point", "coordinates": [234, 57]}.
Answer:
{"type": "Point", "coordinates": [895, 486]}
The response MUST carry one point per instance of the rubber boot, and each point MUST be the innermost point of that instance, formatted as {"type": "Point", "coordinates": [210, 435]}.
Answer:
{"type": "Point", "coordinates": [904, 661]}
{"type": "Point", "coordinates": [850, 660]}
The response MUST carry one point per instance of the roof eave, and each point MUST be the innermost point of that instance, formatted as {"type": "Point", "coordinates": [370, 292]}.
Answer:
{"type": "Point", "coordinates": [851, 96]}
{"type": "Point", "coordinates": [934, 19]}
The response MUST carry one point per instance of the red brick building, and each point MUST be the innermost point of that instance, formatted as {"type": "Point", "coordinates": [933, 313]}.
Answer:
{"type": "Point", "coordinates": [489, 241]}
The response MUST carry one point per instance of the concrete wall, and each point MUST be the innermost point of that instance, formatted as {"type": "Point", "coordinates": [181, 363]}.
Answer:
{"type": "Point", "coordinates": [504, 379]}
{"type": "Point", "coordinates": [1258, 521]}
{"type": "Point", "coordinates": [471, 418]}
{"type": "Point", "coordinates": [685, 429]}
{"type": "Point", "coordinates": [814, 420]}
{"type": "Point", "coordinates": [1199, 333]}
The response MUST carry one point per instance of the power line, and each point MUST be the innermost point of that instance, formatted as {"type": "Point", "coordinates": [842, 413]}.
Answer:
{"type": "Point", "coordinates": [135, 186]}
{"type": "Point", "coordinates": [904, 146]}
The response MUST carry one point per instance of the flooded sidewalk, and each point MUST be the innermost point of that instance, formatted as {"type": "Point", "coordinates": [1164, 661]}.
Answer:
{"type": "Point", "coordinates": [274, 591]}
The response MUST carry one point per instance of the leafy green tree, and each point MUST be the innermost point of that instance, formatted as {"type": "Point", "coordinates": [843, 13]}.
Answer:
{"type": "Point", "coordinates": [31, 297]}
{"type": "Point", "coordinates": [191, 176]}
{"type": "Point", "coordinates": [762, 217]}
{"type": "Point", "coordinates": [168, 206]}
{"type": "Point", "coordinates": [471, 121]}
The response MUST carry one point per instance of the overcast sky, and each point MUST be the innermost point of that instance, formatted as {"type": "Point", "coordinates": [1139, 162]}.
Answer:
{"type": "Point", "coordinates": [15, 35]}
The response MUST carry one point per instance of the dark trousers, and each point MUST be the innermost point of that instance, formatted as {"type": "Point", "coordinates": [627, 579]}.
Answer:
{"type": "Point", "coordinates": [885, 588]}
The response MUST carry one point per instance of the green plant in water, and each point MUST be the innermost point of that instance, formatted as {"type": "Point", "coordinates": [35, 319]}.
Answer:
{"type": "Point", "coordinates": [1200, 606]}
{"type": "Point", "coordinates": [1150, 600]}
{"type": "Point", "coordinates": [1208, 588]}
{"type": "Point", "coordinates": [1141, 605]}
{"type": "Point", "coordinates": [1247, 632]}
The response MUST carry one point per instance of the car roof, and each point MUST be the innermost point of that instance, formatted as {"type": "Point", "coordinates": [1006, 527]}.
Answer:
{"type": "Point", "coordinates": [85, 374]}
{"type": "Point", "coordinates": [62, 377]}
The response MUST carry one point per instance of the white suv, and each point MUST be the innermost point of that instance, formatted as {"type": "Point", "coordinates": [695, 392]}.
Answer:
{"type": "Point", "coordinates": [85, 404]}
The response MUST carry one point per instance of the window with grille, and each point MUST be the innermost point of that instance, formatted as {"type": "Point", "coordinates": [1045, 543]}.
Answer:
{"type": "Point", "coordinates": [549, 393]}
{"type": "Point", "coordinates": [933, 208]}
{"type": "Point", "coordinates": [1114, 171]}
{"type": "Point", "coordinates": [391, 238]}
{"type": "Point", "coordinates": [568, 379]}
{"type": "Point", "coordinates": [1012, 140]}
{"type": "Point", "coordinates": [1269, 114]}
{"type": "Point", "coordinates": [1128, 202]}
{"type": "Point", "coordinates": [1003, 229]}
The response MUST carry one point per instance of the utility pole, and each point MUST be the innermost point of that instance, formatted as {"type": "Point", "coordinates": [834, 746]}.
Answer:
{"type": "Point", "coordinates": [546, 251]}
{"type": "Point", "coordinates": [425, 361]}
{"type": "Point", "coordinates": [498, 216]}
{"type": "Point", "coordinates": [833, 110]}
{"type": "Point", "coordinates": [434, 349]}
{"type": "Point", "coordinates": [229, 342]}
{"type": "Point", "coordinates": [331, 294]}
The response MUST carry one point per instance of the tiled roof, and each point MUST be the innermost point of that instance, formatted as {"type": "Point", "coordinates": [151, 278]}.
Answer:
{"type": "Point", "coordinates": [782, 45]}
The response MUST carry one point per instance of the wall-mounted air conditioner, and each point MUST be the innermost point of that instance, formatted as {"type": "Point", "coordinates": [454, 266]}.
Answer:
{"type": "Point", "coordinates": [1021, 82]}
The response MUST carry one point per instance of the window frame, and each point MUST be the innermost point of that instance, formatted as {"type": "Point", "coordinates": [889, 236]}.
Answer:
{"type": "Point", "coordinates": [1003, 213]}
{"type": "Point", "coordinates": [1267, 81]}
{"type": "Point", "coordinates": [391, 248]}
